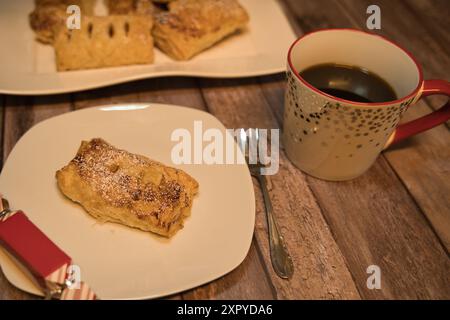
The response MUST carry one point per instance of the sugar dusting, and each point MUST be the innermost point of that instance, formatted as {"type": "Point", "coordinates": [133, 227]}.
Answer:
{"type": "Point", "coordinates": [118, 177]}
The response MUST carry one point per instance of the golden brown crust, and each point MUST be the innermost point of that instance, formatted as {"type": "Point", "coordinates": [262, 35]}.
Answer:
{"type": "Point", "coordinates": [192, 26]}
{"type": "Point", "coordinates": [105, 42]}
{"type": "Point", "coordinates": [117, 7]}
{"type": "Point", "coordinates": [44, 19]}
{"type": "Point", "coordinates": [50, 14]}
{"type": "Point", "coordinates": [131, 7]}
{"type": "Point", "coordinates": [86, 6]}
{"type": "Point", "coordinates": [115, 185]}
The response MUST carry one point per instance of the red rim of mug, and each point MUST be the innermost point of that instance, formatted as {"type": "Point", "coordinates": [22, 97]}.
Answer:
{"type": "Point", "coordinates": [412, 94]}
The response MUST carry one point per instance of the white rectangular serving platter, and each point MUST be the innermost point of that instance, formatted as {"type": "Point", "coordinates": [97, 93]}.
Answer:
{"type": "Point", "coordinates": [28, 67]}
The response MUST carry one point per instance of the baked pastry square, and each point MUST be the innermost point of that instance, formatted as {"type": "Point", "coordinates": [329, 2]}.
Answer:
{"type": "Point", "coordinates": [118, 186]}
{"type": "Point", "coordinates": [191, 26]}
{"type": "Point", "coordinates": [105, 42]}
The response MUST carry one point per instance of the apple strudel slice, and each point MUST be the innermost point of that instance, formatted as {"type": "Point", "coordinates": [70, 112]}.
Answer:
{"type": "Point", "coordinates": [118, 186]}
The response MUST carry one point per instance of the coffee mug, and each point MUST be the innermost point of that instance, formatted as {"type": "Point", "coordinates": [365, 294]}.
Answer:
{"type": "Point", "coordinates": [336, 139]}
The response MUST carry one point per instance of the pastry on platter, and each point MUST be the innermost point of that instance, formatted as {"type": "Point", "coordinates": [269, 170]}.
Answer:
{"type": "Point", "coordinates": [118, 186]}
{"type": "Point", "coordinates": [105, 42]}
{"type": "Point", "coordinates": [191, 26]}
{"type": "Point", "coordinates": [49, 14]}
{"type": "Point", "coordinates": [131, 7]}
{"type": "Point", "coordinates": [44, 19]}
{"type": "Point", "coordinates": [126, 36]}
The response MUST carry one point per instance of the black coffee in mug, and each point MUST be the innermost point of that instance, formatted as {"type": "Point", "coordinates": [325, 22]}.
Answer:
{"type": "Point", "coordinates": [349, 82]}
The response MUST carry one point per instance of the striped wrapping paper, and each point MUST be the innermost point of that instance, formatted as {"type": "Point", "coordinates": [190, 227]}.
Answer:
{"type": "Point", "coordinates": [46, 261]}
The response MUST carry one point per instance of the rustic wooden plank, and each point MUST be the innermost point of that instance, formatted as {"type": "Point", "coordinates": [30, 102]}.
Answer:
{"type": "Point", "coordinates": [318, 14]}
{"type": "Point", "coordinates": [273, 88]}
{"type": "Point", "coordinates": [432, 15]}
{"type": "Point", "coordinates": [415, 30]}
{"type": "Point", "coordinates": [18, 118]}
{"type": "Point", "coordinates": [389, 231]}
{"type": "Point", "coordinates": [436, 102]}
{"type": "Point", "coordinates": [20, 114]}
{"type": "Point", "coordinates": [258, 288]}
{"type": "Point", "coordinates": [320, 270]}
{"type": "Point", "coordinates": [405, 31]}
{"type": "Point", "coordinates": [423, 164]}
{"type": "Point", "coordinates": [179, 91]}
{"type": "Point", "coordinates": [349, 226]}
{"type": "Point", "coordinates": [122, 93]}
{"type": "Point", "coordinates": [249, 280]}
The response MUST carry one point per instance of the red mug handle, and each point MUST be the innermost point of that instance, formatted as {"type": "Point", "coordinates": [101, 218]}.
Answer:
{"type": "Point", "coordinates": [430, 87]}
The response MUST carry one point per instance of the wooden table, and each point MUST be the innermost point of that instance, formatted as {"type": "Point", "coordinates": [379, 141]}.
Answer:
{"type": "Point", "coordinates": [396, 216]}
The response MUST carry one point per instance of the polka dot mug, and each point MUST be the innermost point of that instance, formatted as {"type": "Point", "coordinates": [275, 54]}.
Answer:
{"type": "Point", "coordinates": [336, 139]}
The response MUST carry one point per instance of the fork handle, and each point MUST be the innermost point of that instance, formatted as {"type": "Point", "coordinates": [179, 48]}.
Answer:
{"type": "Point", "coordinates": [281, 260]}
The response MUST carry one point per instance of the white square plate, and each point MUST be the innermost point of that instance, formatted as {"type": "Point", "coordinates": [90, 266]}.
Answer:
{"type": "Point", "coordinates": [28, 67]}
{"type": "Point", "coordinates": [119, 262]}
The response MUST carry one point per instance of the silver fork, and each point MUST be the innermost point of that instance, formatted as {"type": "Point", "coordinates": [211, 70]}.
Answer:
{"type": "Point", "coordinates": [281, 260]}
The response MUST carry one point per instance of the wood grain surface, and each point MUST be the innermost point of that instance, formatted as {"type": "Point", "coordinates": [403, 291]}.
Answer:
{"type": "Point", "coordinates": [396, 215]}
